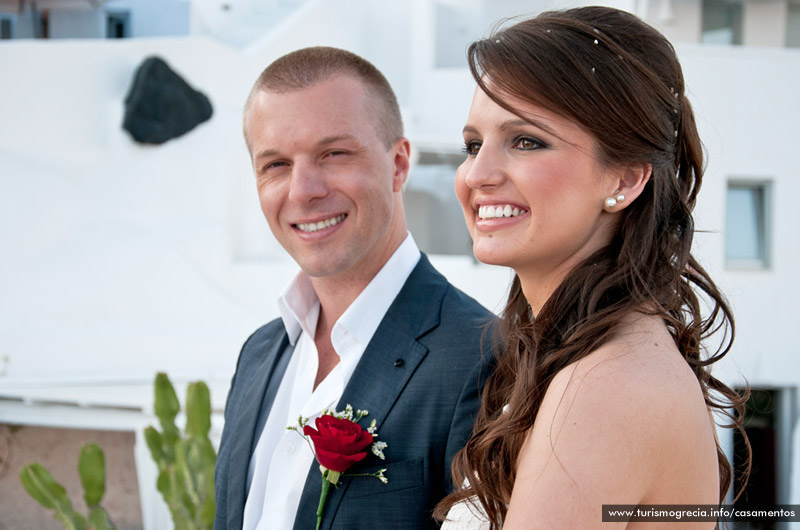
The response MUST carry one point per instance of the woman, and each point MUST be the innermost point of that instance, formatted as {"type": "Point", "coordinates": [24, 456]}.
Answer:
{"type": "Point", "coordinates": [583, 166]}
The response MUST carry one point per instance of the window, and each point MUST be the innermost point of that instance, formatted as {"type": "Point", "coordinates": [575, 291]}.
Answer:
{"type": "Point", "coordinates": [722, 22]}
{"type": "Point", "coordinates": [117, 25]}
{"type": "Point", "coordinates": [5, 28]}
{"type": "Point", "coordinates": [747, 226]}
{"type": "Point", "coordinates": [433, 213]}
{"type": "Point", "coordinates": [793, 25]}
{"type": "Point", "coordinates": [44, 25]}
{"type": "Point", "coordinates": [768, 422]}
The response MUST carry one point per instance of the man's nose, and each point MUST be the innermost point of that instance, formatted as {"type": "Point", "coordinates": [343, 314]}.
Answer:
{"type": "Point", "coordinates": [307, 182]}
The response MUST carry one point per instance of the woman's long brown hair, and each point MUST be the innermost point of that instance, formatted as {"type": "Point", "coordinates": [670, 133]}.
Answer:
{"type": "Point", "coordinates": [621, 81]}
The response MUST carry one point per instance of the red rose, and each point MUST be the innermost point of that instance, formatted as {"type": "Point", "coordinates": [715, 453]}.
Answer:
{"type": "Point", "coordinates": [339, 443]}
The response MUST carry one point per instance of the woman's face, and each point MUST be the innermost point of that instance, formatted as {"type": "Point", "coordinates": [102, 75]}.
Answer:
{"type": "Point", "coordinates": [532, 190]}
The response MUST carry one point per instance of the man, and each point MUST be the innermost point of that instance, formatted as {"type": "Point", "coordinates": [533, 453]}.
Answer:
{"type": "Point", "coordinates": [367, 322]}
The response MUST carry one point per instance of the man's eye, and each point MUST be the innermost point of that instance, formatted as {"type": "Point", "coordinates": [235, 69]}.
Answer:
{"type": "Point", "coordinates": [471, 148]}
{"type": "Point", "coordinates": [336, 153]}
{"type": "Point", "coordinates": [270, 168]}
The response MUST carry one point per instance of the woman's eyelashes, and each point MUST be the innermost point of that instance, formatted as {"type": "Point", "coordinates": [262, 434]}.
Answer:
{"type": "Point", "coordinates": [471, 147]}
{"type": "Point", "coordinates": [528, 143]}
{"type": "Point", "coordinates": [521, 143]}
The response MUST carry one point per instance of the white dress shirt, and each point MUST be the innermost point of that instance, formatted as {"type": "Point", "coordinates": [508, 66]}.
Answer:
{"type": "Point", "coordinates": [282, 458]}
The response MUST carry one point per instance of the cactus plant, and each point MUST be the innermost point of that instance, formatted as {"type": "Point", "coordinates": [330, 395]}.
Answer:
{"type": "Point", "coordinates": [41, 485]}
{"type": "Point", "coordinates": [185, 462]}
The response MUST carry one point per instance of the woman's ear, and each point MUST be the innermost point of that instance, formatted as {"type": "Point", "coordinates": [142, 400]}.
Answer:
{"type": "Point", "coordinates": [630, 182]}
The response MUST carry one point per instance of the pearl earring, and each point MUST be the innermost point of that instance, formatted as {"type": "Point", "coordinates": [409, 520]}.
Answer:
{"type": "Point", "coordinates": [613, 201]}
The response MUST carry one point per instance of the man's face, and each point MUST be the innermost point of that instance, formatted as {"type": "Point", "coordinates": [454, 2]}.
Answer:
{"type": "Point", "coordinates": [328, 185]}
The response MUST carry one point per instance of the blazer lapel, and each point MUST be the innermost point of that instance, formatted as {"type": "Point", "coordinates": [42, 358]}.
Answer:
{"type": "Point", "coordinates": [247, 420]}
{"type": "Point", "coordinates": [376, 383]}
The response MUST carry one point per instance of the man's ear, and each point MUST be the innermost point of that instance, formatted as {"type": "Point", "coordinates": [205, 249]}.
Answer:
{"type": "Point", "coordinates": [402, 163]}
{"type": "Point", "coordinates": [628, 185]}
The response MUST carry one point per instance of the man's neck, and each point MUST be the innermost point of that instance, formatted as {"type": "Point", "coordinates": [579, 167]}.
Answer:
{"type": "Point", "coordinates": [337, 293]}
{"type": "Point", "coordinates": [327, 356]}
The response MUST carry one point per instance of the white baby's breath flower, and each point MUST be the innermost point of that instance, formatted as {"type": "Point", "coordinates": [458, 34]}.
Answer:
{"type": "Point", "coordinates": [373, 425]}
{"type": "Point", "coordinates": [348, 412]}
{"type": "Point", "coordinates": [377, 449]}
{"type": "Point", "coordinates": [381, 477]}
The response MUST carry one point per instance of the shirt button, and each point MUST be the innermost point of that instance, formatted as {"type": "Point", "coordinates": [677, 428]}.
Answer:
{"type": "Point", "coordinates": [289, 448]}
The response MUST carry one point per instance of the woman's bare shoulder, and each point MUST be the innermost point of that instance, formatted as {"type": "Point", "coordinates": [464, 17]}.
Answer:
{"type": "Point", "coordinates": [637, 379]}
{"type": "Point", "coordinates": [607, 431]}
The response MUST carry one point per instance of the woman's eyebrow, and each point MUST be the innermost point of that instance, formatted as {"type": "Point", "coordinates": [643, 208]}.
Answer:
{"type": "Point", "coordinates": [511, 124]}
{"type": "Point", "coordinates": [519, 122]}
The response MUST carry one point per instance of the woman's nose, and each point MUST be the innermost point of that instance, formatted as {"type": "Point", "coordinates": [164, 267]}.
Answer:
{"type": "Point", "coordinates": [485, 170]}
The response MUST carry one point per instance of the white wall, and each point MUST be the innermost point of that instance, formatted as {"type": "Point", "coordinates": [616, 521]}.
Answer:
{"type": "Point", "coordinates": [747, 107]}
{"type": "Point", "coordinates": [116, 256]}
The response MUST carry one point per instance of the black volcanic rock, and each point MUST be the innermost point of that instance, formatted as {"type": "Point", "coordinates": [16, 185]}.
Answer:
{"type": "Point", "coordinates": [160, 105]}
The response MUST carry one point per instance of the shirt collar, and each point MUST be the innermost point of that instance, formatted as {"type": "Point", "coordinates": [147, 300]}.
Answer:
{"type": "Point", "coordinates": [362, 318]}
{"type": "Point", "coordinates": [299, 305]}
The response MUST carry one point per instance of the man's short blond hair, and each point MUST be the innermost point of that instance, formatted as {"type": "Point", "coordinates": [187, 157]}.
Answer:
{"type": "Point", "coordinates": [307, 67]}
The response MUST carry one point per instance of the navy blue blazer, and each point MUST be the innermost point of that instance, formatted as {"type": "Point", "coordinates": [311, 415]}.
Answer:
{"type": "Point", "coordinates": [420, 378]}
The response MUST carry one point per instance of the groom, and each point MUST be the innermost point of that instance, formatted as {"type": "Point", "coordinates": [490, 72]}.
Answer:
{"type": "Point", "coordinates": [367, 322]}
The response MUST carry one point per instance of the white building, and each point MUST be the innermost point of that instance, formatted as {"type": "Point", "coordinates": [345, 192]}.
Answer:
{"type": "Point", "coordinates": [119, 260]}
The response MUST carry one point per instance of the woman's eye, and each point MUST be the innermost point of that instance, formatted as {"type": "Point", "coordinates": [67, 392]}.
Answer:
{"type": "Point", "coordinates": [471, 148]}
{"type": "Point", "coordinates": [528, 144]}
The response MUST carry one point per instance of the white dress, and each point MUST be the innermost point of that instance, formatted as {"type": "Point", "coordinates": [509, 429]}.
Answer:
{"type": "Point", "coordinates": [466, 515]}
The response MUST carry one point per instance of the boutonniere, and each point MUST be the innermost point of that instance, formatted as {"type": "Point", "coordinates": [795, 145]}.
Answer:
{"type": "Point", "coordinates": [338, 442]}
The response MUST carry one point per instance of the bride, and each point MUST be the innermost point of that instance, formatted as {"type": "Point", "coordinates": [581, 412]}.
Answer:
{"type": "Point", "coordinates": [583, 166]}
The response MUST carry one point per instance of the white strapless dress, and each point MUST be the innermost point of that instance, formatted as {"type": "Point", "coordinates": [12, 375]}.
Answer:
{"type": "Point", "coordinates": [466, 516]}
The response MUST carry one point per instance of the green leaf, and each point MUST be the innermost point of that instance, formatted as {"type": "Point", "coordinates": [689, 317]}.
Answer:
{"type": "Point", "coordinates": [166, 405]}
{"type": "Point", "coordinates": [185, 474]}
{"type": "Point", "coordinates": [99, 520]}
{"type": "Point", "coordinates": [198, 409]}
{"type": "Point", "coordinates": [186, 460]}
{"type": "Point", "coordinates": [92, 469]}
{"type": "Point", "coordinates": [181, 523]}
{"type": "Point", "coordinates": [40, 485]}
{"type": "Point", "coordinates": [71, 520]}
{"type": "Point", "coordinates": [154, 442]}
{"type": "Point", "coordinates": [207, 511]}
{"type": "Point", "coordinates": [164, 485]}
